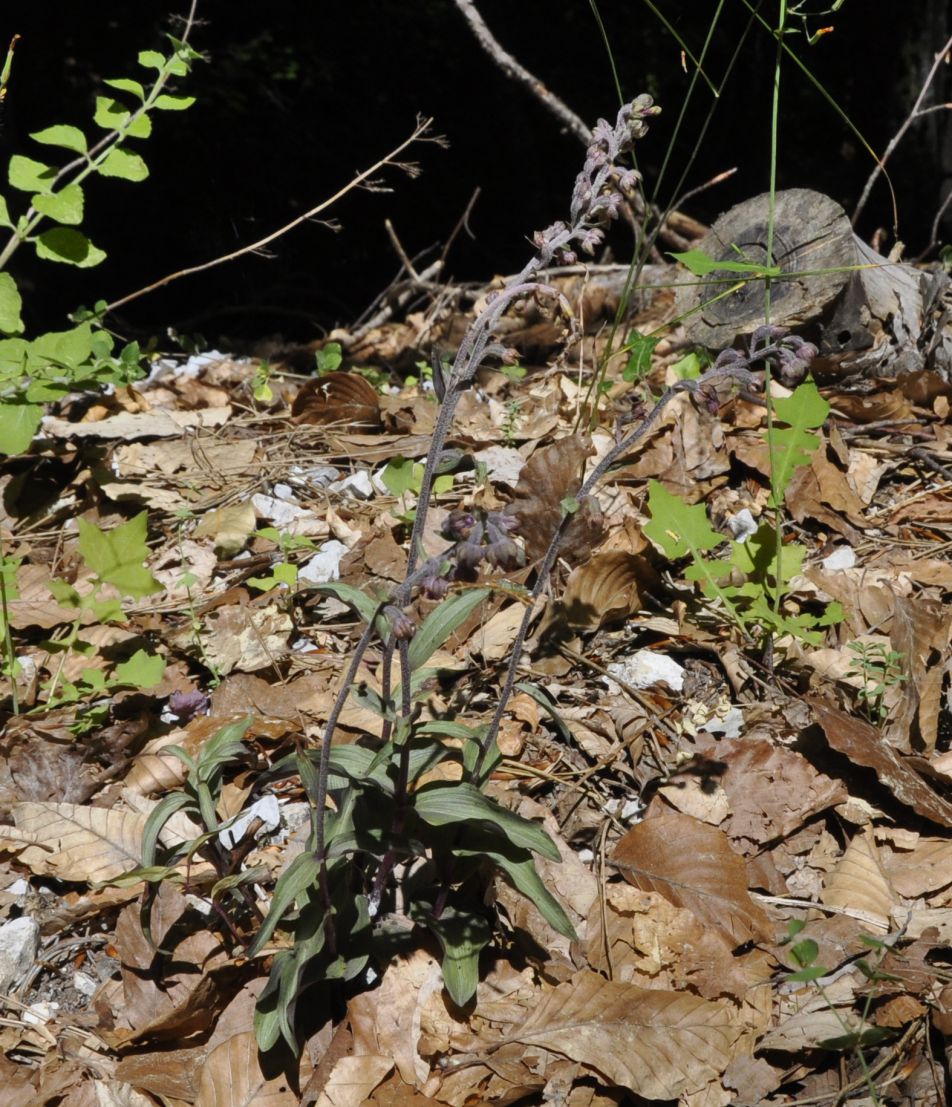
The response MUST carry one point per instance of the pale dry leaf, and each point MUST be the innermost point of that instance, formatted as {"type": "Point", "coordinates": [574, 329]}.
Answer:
{"type": "Point", "coordinates": [70, 842]}
{"type": "Point", "coordinates": [860, 882]}
{"type": "Point", "coordinates": [492, 641]}
{"type": "Point", "coordinates": [692, 865]}
{"type": "Point", "coordinates": [387, 1020]}
{"type": "Point", "coordinates": [657, 1044]}
{"type": "Point", "coordinates": [147, 424]}
{"type": "Point", "coordinates": [920, 633]}
{"type": "Point", "coordinates": [924, 869]}
{"type": "Point", "coordinates": [170, 1073]}
{"type": "Point", "coordinates": [810, 1028]}
{"type": "Point", "coordinates": [229, 527]}
{"type": "Point", "coordinates": [352, 1080]}
{"type": "Point", "coordinates": [245, 638]}
{"type": "Point", "coordinates": [232, 1077]}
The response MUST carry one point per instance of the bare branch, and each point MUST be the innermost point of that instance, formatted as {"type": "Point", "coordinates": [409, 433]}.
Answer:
{"type": "Point", "coordinates": [512, 68]}
{"type": "Point", "coordinates": [420, 132]}
{"type": "Point", "coordinates": [916, 112]}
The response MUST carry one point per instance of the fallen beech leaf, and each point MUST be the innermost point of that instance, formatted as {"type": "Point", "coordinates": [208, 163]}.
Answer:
{"type": "Point", "coordinates": [352, 1081]}
{"type": "Point", "coordinates": [232, 1077]}
{"type": "Point", "coordinates": [343, 398]}
{"type": "Point", "coordinates": [551, 475]}
{"type": "Point", "coordinates": [692, 865]}
{"type": "Point", "coordinates": [810, 1028]}
{"type": "Point", "coordinates": [859, 882]}
{"type": "Point", "coordinates": [229, 526]}
{"type": "Point", "coordinates": [609, 587]}
{"type": "Point", "coordinates": [864, 745]}
{"type": "Point", "coordinates": [657, 1044]}
{"type": "Point", "coordinates": [70, 842]}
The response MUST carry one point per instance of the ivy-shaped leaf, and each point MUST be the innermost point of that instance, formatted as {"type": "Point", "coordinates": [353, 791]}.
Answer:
{"type": "Point", "coordinates": [792, 446]}
{"type": "Point", "coordinates": [117, 556]}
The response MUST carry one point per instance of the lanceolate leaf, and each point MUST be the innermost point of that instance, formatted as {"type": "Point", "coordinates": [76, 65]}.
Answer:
{"type": "Point", "coordinates": [299, 875]}
{"type": "Point", "coordinates": [442, 621]}
{"type": "Point", "coordinates": [445, 804]}
{"type": "Point", "coordinates": [520, 868]}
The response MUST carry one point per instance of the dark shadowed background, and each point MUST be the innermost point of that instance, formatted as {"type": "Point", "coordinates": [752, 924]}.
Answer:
{"type": "Point", "coordinates": [296, 96]}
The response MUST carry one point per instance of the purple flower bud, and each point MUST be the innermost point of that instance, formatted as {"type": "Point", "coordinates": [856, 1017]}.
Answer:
{"type": "Point", "coordinates": [458, 525]}
{"type": "Point", "coordinates": [402, 625]}
{"type": "Point", "coordinates": [505, 554]}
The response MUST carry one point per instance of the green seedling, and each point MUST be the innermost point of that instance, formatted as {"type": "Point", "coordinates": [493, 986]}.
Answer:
{"type": "Point", "coordinates": [116, 559]}
{"type": "Point", "coordinates": [880, 670]}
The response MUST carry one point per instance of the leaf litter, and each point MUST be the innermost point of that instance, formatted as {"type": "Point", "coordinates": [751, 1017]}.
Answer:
{"type": "Point", "coordinates": [756, 866]}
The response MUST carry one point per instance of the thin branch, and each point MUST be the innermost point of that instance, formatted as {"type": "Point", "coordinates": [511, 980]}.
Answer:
{"type": "Point", "coordinates": [512, 68]}
{"type": "Point", "coordinates": [915, 113]}
{"type": "Point", "coordinates": [419, 132]}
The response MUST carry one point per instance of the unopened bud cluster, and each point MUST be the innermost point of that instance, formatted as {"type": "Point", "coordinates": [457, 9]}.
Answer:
{"type": "Point", "coordinates": [602, 186]}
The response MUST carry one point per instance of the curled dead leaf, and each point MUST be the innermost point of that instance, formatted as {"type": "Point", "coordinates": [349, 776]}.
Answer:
{"type": "Point", "coordinates": [346, 399]}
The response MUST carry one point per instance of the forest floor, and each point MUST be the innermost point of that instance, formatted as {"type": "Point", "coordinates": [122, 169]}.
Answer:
{"type": "Point", "coordinates": [755, 831]}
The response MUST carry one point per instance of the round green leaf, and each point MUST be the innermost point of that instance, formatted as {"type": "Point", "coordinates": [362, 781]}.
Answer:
{"type": "Point", "coordinates": [18, 424]}
{"type": "Point", "coordinates": [120, 163]}
{"type": "Point", "coordinates": [70, 138]}
{"type": "Point", "coordinates": [10, 304]}
{"type": "Point", "coordinates": [29, 175]}
{"type": "Point", "coordinates": [124, 84]}
{"type": "Point", "coordinates": [174, 103]}
{"type": "Point", "coordinates": [65, 206]}
{"type": "Point", "coordinates": [69, 246]}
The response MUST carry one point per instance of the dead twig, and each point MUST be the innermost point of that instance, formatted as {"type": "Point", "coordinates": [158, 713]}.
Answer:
{"type": "Point", "coordinates": [363, 178]}
{"type": "Point", "coordinates": [916, 112]}
{"type": "Point", "coordinates": [508, 64]}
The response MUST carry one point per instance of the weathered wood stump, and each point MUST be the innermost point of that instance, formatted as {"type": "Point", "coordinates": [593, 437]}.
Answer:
{"type": "Point", "coordinates": [869, 316]}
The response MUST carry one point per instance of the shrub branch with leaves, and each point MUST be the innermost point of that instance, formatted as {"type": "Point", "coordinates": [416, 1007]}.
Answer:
{"type": "Point", "coordinates": [44, 369]}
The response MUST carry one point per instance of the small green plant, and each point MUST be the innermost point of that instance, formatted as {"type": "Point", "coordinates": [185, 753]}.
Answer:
{"type": "Point", "coordinates": [37, 371]}
{"type": "Point", "coordinates": [329, 358]}
{"type": "Point", "coordinates": [511, 422]}
{"type": "Point", "coordinates": [401, 475]}
{"type": "Point", "coordinates": [751, 582]}
{"type": "Point", "coordinates": [880, 670]}
{"type": "Point", "coordinates": [858, 1034]}
{"type": "Point", "coordinates": [283, 572]}
{"type": "Point", "coordinates": [384, 807]}
{"type": "Point", "coordinates": [116, 559]}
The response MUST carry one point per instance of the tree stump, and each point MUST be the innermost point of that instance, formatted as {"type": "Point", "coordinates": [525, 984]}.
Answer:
{"type": "Point", "coordinates": [869, 316]}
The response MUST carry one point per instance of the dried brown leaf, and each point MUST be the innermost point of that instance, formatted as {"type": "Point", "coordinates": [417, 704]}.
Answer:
{"type": "Point", "coordinates": [692, 865]}
{"type": "Point", "coordinates": [352, 1080]}
{"type": "Point", "coordinates": [343, 398]}
{"type": "Point", "coordinates": [71, 842]}
{"type": "Point", "coordinates": [772, 790]}
{"type": "Point", "coordinates": [657, 1044]}
{"type": "Point", "coordinates": [609, 587]}
{"type": "Point", "coordinates": [549, 476]}
{"type": "Point", "coordinates": [232, 1077]}
{"type": "Point", "coordinates": [859, 882]}
{"type": "Point", "coordinates": [864, 745]}
{"type": "Point", "coordinates": [924, 869]}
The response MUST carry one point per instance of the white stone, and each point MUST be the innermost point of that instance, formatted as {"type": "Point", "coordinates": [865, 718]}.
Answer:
{"type": "Point", "coordinates": [324, 565]}
{"type": "Point", "coordinates": [19, 941]}
{"type": "Point", "coordinates": [357, 484]}
{"type": "Point", "coordinates": [647, 668]}
{"type": "Point", "coordinates": [843, 557]}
